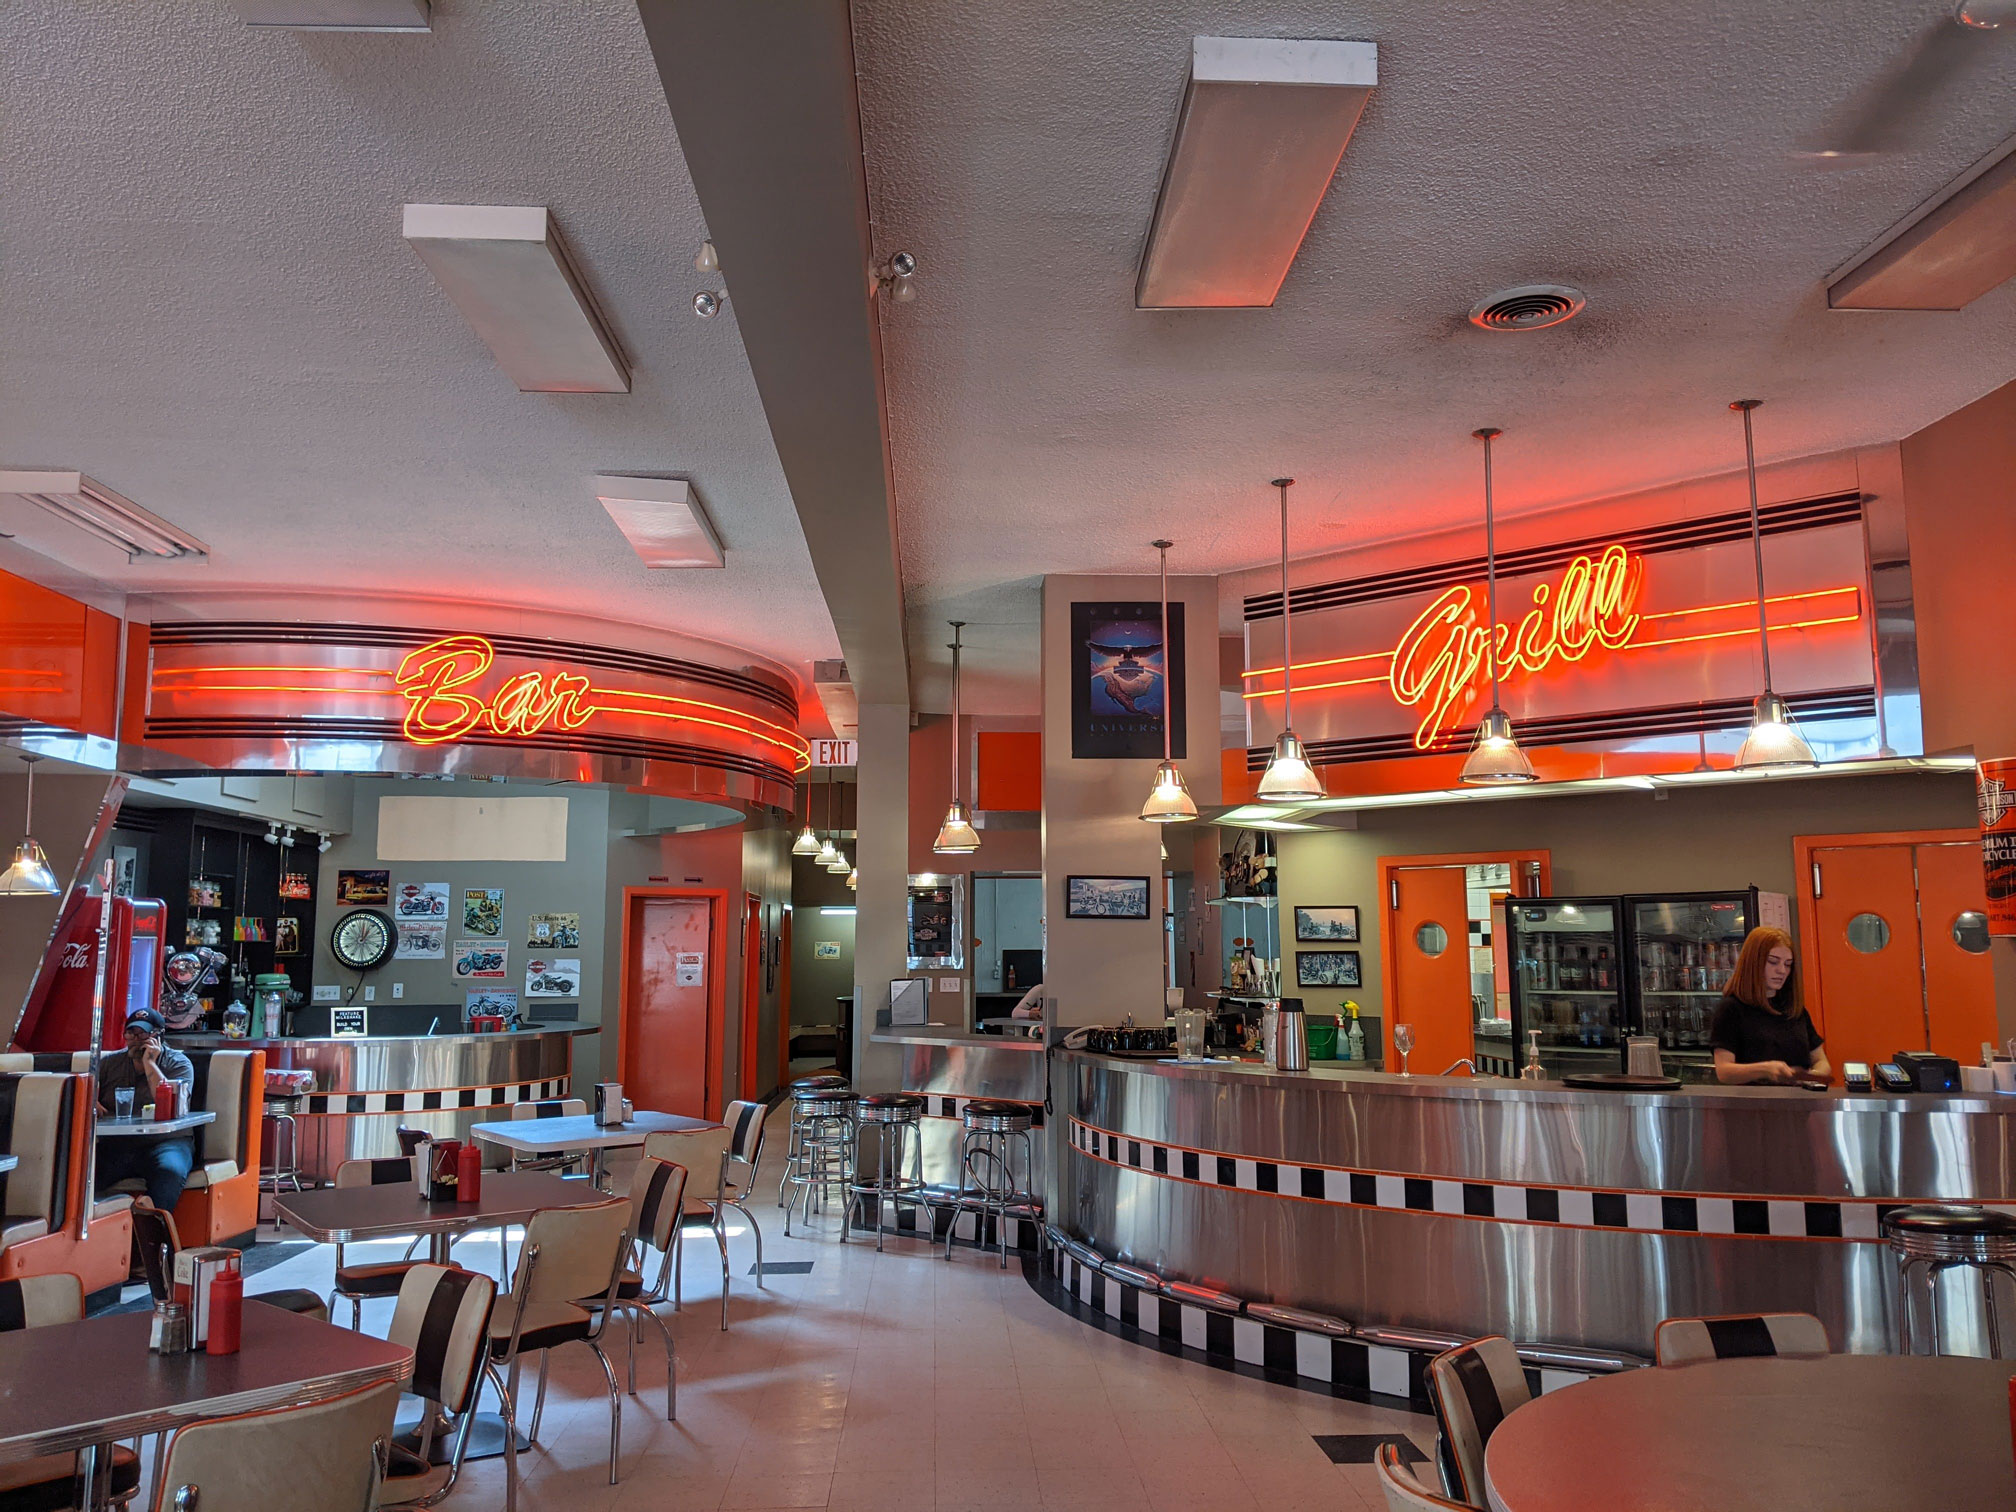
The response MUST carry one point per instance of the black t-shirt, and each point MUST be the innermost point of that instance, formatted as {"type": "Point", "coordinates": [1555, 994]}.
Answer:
{"type": "Point", "coordinates": [1763, 1034]}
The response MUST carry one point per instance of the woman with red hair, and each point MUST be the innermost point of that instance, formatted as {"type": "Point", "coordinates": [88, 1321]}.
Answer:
{"type": "Point", "coordinates": [1760, 1032]}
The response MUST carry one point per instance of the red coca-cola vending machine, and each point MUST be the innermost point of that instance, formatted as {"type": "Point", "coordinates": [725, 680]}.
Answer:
{"type": "Point", "coordinates": [58, 1014]}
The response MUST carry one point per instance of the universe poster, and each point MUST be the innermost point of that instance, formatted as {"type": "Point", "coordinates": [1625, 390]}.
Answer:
{"type": "Point", "coordinates": [1122, 681]}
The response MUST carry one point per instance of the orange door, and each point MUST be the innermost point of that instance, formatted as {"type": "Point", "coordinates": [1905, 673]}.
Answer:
{"type": "Point", "coordinates": [1959, 982]}
{"type": "Point", "coordinates": [752, 991]}
{"type": "Point", "coordinates": [1428, 983]}
{"type": "Point", "coordinates": [1872, 989]}
{"type": "Point", "coordinates": [667, 1053]}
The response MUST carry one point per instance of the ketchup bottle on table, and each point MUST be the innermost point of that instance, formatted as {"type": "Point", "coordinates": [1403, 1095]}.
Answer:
{"type": "Point", "coordinates": [227, 1311]}
{"type": "Point", "coordinates": [469, 1173]}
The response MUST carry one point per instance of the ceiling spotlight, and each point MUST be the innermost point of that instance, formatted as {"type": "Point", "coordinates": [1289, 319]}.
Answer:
{"type": "Point", "coordinates": [272, 832]}
{"type": "Point", "coordinates": [709, 261]}
{"type": "Point", "coordinates": [893, 277]}
{"type": "Point", "coordinates": [324, 844]}
{"type": "Point", "coordinates": [707, 303]}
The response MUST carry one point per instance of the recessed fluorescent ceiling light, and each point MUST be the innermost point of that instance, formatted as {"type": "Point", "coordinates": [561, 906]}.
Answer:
{"type": "Point", "coordinates": [1263, 126]}
{"type": "Point", "coordinates": [832, 912]}
{"type": "Point", "coordinates": [336, 15]}
{"type": "Point", "coordinates": [662, 520]}
{"type": "Point", "coordinates": [98, 511]}
{"type": "Point", "coordinates": [507, 270]}
{"type": "Point", "coordinates": [1946, 256]}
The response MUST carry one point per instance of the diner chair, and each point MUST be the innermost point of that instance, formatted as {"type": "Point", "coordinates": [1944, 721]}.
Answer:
{"type": "Point", "coordinates": [696, 1150]}
{"type": "Point", "coordinates": [159, 1242]}
{"type": "Point", "coordinates": [443, 1316]}
{"type": "Point", "coordinates": [1473, 1387]}
{"type": "Point", "coordinates": [326, 1456]}
{"type": "Point", "coordinates": [657, 1202]}
{"type": "Point", "coordinates": [1404, 1493]}
{"type": "Point", "coordinates": [549, 1160]}
{"type": "Point", "coordinates": [1689, 1341]}
{"type": "Point", "coordinates": [568, 1253]}
{"type": "Point", "coordinates": [48, 1482]}
{"type": "Point", "coordinates": [734, 1187]}
{"type": "Point", "coordinates": [384, 1278]}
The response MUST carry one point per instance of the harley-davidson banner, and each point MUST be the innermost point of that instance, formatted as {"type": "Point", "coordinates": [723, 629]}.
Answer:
{"type": "Point", "coordinates": [1996, 794]}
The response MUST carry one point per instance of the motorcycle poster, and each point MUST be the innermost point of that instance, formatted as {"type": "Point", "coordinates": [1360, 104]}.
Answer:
{"type": "Point", "coordinates": [481, 960]}
{"type": "Point", "coordinates": [546, 977]}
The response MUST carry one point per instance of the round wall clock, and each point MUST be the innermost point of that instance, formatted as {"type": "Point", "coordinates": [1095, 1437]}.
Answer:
{"type": "Point", "coordinates": [364, 939]}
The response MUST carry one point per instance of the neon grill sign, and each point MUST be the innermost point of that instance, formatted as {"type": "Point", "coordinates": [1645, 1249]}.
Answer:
{"type": "Point", "coordinates": [1439, 663]}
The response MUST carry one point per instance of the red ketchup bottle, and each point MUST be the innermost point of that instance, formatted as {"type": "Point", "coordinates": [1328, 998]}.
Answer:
{"type": "Point", "coordinates": [469, 1173]}
{"type": "Point", "coordinates": [227, 1312]}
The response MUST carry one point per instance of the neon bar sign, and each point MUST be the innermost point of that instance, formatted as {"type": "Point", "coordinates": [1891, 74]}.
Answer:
{"type": "Point", "coordinates": [1439, 661]}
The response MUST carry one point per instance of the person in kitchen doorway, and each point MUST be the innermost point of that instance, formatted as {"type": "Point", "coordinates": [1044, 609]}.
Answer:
{"type": "Point", "coordinates": [1760, 1031]}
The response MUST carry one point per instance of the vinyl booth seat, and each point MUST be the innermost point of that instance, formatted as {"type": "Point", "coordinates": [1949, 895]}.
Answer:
{"type": "Point", "coordinates": [45, 1121]}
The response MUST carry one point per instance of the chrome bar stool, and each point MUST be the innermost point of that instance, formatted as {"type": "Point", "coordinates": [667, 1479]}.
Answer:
{"type": "Point", "coordinates": [898, 1172]}
{"type": "Point", "coordinates": [280, 1172]}
{"type": "Point", "coordinates": [993, 1182]}
{"type": "Point", "coordinates": [1932, 1238]}
{"type": "Point", "coordinates": [798, 1124]}
{"type": "Point", "coordinates": [821, 1162]}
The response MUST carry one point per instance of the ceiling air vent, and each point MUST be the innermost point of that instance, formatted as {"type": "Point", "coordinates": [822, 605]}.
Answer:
{"type": "Point", "coordinates": [1527, 308]}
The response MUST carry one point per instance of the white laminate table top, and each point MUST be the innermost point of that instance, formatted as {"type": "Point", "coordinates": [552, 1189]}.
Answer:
{"type": "Point", "coordinates": [1842, 1432]}
{"type": "Point", "coordinates": [140, 1127]}
{"type": "Point", "coordinates": [529, 1136]}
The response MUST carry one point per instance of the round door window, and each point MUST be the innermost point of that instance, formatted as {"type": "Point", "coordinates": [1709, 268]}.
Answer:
{"type": "Point", "coordinates": [1432, 939]}
{"type": "Point", "coordinates": [1970, 932]}
{"type": "Point", "coordinates": [1868, 933]}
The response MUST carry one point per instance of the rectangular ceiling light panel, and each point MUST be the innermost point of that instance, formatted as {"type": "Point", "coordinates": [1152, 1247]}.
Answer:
{"type": "Point", "coordinates": [1945, 257]}
{"type": "Point", "coordinates": [99, 512]}
{"type": "Point", "coordinates": [337, 15]}
{"type": "Point", "coordinates": [662, 519]}
{"type": "Point", "coordinates": [507, 270]}
{"type": "Point", "coordinates": [1263, 126]}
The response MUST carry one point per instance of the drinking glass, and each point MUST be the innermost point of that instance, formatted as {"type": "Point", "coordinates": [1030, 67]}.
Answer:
{"type": "Point", "coordinates": [1189, 1034]}
{"type": "Point", "coordinates": [122, 1103]}
{"type": "Point", "coordinates": [1403, 1041]}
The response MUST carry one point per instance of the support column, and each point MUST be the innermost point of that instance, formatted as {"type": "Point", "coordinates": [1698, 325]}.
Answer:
{"type": "Point", "coordinates": [882, 855]}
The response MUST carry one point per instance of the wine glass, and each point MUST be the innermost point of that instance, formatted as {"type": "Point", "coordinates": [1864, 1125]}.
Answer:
{"type": "Point", "coordinates": [1403, 1041]}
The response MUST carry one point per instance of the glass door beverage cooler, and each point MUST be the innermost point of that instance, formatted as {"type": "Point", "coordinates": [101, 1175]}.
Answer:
{"type": "Point", "coordinates": [1569, 983]}
{"type": "Point", "coordinates": [1683, 950]}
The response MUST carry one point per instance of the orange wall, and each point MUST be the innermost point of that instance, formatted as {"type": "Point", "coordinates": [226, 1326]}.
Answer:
{"type": "Point", "coordinates": [1960, 507]}
{"type": "Point", "coordinates": [59, 659]}
{"type": "Point", "coordinates": [1010, 776]}
{"type": "Point", "coordinates": [931, 790]}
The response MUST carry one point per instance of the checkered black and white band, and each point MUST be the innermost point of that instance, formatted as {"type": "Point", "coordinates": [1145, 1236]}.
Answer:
{"type": "Point", "coordinates": [445, 1099]}
{"type": "Point", "coordinates": [1352, 1366]}
{"type": "Point", "coordinates": [967, 1225]}
{"type": "Point", "coordinates": [937, 1105]}
{"type": "Point", "coordinates": [1852, 1221]}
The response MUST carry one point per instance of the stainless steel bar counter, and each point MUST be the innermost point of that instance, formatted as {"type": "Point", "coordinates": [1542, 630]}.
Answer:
{"type": "Point", "coordinates": [367, 1086]}
{"type": "Point", "coordinates": [1473, 1205]}
{"type": "Point", "coordinates": [950, 1067]}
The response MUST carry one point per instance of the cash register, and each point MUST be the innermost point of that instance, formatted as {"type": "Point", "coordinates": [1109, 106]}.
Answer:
{"type": "Point", "coordinates": [1919, 1071]}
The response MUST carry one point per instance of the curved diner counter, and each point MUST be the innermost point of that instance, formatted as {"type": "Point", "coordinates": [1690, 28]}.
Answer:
{"type": "Point", "coordinates": [367, 1086]}
{"type": "Point", "coordinates": [1468, 1206]}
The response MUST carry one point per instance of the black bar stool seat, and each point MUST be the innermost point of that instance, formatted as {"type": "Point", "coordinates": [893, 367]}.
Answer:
{"type": "Point", "coordinates": [1931, 1238]}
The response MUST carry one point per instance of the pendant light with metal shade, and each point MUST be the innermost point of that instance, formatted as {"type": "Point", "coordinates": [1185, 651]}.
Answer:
{"type": "Point", "coordinates": [828, 852]}
{"type": "Point", "coordinates": [1169, 801]}
{"type": "Point", "coordinates": [807, 843]}
{"type": "Point", "coordinates": [1774, 742]}
{"type": "Point", "coordinates": [1289, 777]}
{"type": "Point", "coordinates": [956, 836]}
{"type": "Point", "coordinates": [1495, 759]}
{"type": "Point", "coordinates": [29, 876]}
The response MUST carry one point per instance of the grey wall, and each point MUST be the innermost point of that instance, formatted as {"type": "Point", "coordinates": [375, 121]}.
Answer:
{"type": "Point", "coordinates": [1693, 840]}
{"type": "Point", "coordinates": [816, 983]}
{"type": "Point", "coordinates": [575, 885]}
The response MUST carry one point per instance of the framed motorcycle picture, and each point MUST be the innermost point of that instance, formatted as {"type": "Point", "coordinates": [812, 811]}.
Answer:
{"type": "Point", "coordinates": [481, 960]}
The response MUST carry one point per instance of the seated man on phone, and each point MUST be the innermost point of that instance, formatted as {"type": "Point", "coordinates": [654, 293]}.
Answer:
{"type": "Point", "coordinates": [162, 1162]}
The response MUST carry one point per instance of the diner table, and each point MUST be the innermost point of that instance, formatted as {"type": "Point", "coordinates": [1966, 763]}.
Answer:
{"type": "Point", "coordinates": [109, 1127]}
{"type": "Point", "coordinates": [80, 1386]}
{"type": "Point", "coordinates": [1900, 1433]}
{"type": "Point", "coordinates": [579, 1131]}
{"type": "Point", "coordinates": [349, 1215]}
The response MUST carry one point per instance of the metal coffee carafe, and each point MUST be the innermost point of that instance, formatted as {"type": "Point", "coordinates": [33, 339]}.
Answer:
{"type": "Point", "coordinates": [1291, 1036]}
{"type": "Point", "coordinates": [608, 1104]}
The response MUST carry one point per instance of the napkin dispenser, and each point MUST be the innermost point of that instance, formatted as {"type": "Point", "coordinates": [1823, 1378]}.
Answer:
{"type": "Point", "coordinates": [608, 1104]}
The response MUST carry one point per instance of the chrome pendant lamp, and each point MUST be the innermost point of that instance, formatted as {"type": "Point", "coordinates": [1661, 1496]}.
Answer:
{"type": "Point", "coordinates": [1169, 801]}
{"type": "Point", "coordinates": [1495, 759]}
{"type": "Point", "coordinates": [29, 876]}
{"type": "Point", "coordinates": [1774, 742]}
{"type": "Point", "coordinates": [956, 836]}
{"type": "Point", "coordinates": [827, 853]}
{"type": "Point", "coordinates": [1289, 777]}
{"type": "Point", "coordinates": [807, 843]}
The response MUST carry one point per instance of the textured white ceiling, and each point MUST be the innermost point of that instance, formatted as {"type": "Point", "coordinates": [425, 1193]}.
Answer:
{"type": "Point", "coordinates": [205, 303]}
{"type": "Point", "coordinates": [1645, 152]}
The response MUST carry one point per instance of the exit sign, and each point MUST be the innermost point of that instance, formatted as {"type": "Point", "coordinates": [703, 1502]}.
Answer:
{"type": "Point", "coordinates": [833, 753]}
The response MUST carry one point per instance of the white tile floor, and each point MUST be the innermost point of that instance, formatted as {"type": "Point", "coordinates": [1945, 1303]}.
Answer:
{"type": "Point", "coordinates": [905, 1384]}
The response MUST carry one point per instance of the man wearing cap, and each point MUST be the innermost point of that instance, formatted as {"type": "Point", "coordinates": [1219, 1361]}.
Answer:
{"type": "Point", "coordinates": [164, 1162]}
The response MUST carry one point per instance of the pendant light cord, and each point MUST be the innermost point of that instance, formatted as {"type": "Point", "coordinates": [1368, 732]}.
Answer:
{"type": "Point", "coordinates": [1490, 565]}
{"type": "Point", "coordinates": [1168, 657]}
{"type": "Point", "coordinates": [1744, 406]}
{"type": "Point", "coordinates": [28, 819]}
{"type": "Point", "coordinates": [1287, 632]}
{"type": "Point", "coordinates": [957, 626]}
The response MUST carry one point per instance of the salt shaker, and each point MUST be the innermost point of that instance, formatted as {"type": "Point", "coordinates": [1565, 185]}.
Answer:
{"type": "Point", "coordinates": [168, 1333]}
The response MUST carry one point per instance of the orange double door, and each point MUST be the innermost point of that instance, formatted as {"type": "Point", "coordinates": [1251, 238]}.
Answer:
{"type": "Point", "coordinates": [1895, 940]}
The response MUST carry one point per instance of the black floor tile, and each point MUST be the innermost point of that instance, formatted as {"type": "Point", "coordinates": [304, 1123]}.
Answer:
{"type": "Point", "coordinates": [1363, 1448]}
{"type": "Point", "coordinates": [784, 1268]}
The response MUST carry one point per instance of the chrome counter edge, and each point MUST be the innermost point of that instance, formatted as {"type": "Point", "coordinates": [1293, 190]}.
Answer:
{"type": "Point", "coordinates": [1537, 1211]}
